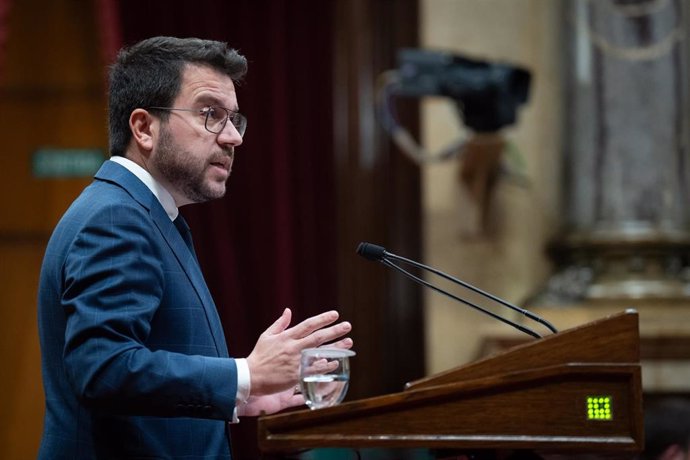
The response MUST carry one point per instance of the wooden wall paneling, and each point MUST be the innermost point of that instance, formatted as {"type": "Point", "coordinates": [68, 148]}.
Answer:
{"type": "Point", "coordinates": [52, 94]}
{"type": "Point", "coordinates": [378, 195]}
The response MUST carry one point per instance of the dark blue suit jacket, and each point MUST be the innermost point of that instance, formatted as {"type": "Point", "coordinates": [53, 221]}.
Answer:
{"type": "Point", "coordinates": [134, 360]}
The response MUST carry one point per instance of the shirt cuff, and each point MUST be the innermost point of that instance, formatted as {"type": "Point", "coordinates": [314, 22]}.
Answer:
{"type": "Point", "coordinates": [243, 381]}
{"type": "Point", "coordinates": [243, 386]}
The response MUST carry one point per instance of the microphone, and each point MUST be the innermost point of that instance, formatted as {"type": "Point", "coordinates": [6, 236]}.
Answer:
{"type": "Point", "coordinates": [371, 251]}
{"type": "Point", "coordinates": [375, 252]}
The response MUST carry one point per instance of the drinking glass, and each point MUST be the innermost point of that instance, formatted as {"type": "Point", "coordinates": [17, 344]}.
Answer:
{"type": "Point", "coordinates": [324, 376]}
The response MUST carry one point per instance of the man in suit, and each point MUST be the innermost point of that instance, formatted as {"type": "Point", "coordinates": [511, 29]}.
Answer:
{"type": "Point", "coordinates": [134, 359]}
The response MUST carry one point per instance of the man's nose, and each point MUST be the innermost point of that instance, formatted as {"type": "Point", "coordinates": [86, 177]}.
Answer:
{"type": "Point", "coordinates": [230, 136]}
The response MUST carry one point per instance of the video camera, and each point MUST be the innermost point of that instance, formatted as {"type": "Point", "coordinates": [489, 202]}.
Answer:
{"type": "Point", "coordinates": [487, 94]}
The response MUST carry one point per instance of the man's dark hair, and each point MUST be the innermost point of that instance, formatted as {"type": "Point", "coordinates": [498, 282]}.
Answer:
{"type": "Point", "coordinates": [666, 423]}
{"type": "Point", "coordinates": [149, 74]}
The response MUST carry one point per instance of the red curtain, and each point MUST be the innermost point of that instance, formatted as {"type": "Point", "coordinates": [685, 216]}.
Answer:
{"type": "Point", "coordinates": [108, 20]}
{"type": "Point", "coordinates": [5, 6]}
{"type": "Point", "coordinates": [270, 242]}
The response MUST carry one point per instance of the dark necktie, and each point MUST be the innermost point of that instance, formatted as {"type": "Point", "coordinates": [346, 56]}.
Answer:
{"type": "Point", "coordinates": [185, 232]}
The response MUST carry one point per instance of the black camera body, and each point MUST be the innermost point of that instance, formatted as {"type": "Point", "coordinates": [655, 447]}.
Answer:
{"type": "Point", "coordinates": [487, 94]}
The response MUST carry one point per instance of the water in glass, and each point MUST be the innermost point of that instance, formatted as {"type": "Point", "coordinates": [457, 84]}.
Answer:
{"type": "Point", "coordinates": [324, 376]}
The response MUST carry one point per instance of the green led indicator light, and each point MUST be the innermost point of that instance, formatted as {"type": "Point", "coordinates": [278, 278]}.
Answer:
{"type": "Point", "coordinates": [599, 408]}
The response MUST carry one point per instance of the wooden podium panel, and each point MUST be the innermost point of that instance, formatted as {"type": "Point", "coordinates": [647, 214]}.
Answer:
{"type": "Point", "coordinates": [578, 391]}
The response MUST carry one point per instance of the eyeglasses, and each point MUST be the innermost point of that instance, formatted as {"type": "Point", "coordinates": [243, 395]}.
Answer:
{"type": "Point", "coordinates": [216, 118]}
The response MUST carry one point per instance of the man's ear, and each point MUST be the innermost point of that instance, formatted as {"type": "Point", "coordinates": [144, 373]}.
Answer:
{"type": "Point", "coordinates": [144, 128]}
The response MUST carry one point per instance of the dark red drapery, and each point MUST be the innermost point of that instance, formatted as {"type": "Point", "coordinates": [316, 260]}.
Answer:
{"type": "Point", "coordinates": [5, 6]}
{"type": "Point", "coordinates": [261, 246]}
{"type": "Point", "coordinates": [267, 244]}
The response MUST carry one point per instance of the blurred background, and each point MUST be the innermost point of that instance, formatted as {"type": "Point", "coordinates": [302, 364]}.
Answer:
{"type": "Point", "coordinates": [575, 209]}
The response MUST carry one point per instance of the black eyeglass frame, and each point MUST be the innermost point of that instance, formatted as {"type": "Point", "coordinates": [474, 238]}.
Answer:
{"type": "Point", "coordinates": [238, 120]}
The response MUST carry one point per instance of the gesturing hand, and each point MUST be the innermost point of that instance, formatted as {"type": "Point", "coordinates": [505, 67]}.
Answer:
{"type": "Point", "coordinates": [274, 361]}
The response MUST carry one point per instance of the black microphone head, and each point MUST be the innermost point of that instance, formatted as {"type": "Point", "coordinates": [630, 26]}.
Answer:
{"type": "Point", "coordinates": [371, 251]}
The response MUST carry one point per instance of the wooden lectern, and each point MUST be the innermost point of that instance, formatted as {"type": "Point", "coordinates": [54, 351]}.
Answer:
{"type": "Point", "coordinates": [575, 392]}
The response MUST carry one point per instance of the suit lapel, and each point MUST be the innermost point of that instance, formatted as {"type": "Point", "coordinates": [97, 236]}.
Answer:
{"type": "Point", "coordinates": [191, 268]}
{"type": "Point", "coordinates": [115, 173]}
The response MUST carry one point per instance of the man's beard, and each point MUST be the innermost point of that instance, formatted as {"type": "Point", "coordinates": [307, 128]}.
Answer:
{"type": "Point", "coordinates": [184, 171]}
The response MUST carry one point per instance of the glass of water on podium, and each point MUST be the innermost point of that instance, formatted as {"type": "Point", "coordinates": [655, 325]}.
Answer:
{"type": "Point", "coordinates": [324, 376]}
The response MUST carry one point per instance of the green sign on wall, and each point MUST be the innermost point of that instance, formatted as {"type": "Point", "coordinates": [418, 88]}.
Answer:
{"type": "Point", "coordinates": [66, 163]}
